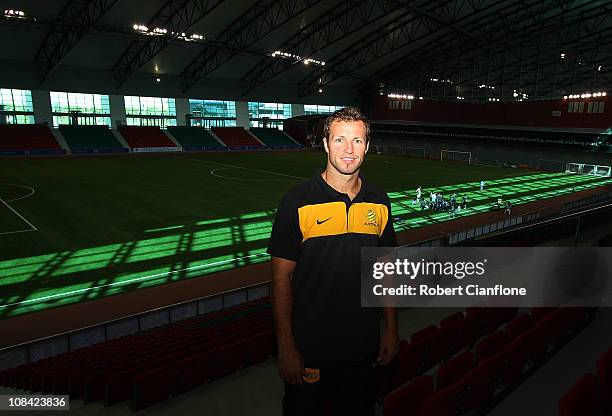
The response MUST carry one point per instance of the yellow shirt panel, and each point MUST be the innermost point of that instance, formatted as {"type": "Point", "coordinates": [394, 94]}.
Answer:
{"type": "Point", "coordinates": [320, 220]}
{"type": "Point", "coordinates": [368, 218]}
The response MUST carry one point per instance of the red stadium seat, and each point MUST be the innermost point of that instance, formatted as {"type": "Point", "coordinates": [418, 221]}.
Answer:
{"type": "Point", "coordinates": [445, 402]}
{"type": "Point", "coordinates": [236, 137]}
{"type": "Point", "coordinates": [490, 345]}
{"type": "Point", "coordinates": [455, 369]}
{"type": "Point", "coordinates": [517, 326]}
{"type": "Point", "coordinates": [421, 341]}
{"type": "Point", "coordinates": [584, 398]}
{"type": "Point", "coordinates": [457, 317]}
{"type": "Point", "coordinates": [447, 342]}
{"type": "Point", "coordinates": [408, 365]}
{"type": "Point", "coordinates": [139, 137]}
{"type": "Point", "coordinates": [480, 384]}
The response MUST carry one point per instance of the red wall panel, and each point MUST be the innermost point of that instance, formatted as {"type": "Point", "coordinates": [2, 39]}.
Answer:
{"type": "Point", "coordinates": [528, 113]}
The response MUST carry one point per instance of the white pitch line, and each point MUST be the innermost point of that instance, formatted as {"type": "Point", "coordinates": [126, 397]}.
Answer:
{"type": "Point", "coordinates": [239, 167]}
{"type": "Point", "coordinates": [15, 232]}
{"type": "Point", "coordinates": [214, 173]}
{"type": "Point", "coordinates": [19, 215]}
{"type": "Point", "coordinates": [123, 282]}
{"type": "Point", "coordinates": [20, 186]}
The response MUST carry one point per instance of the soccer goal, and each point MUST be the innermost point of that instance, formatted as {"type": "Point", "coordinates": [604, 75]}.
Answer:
{"type": "Point", "coordinates": [456, 155]}
{"type": "Point", "coordinates": [588, 169]}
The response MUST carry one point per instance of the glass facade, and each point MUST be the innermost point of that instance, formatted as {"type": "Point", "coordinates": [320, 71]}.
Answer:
{"type": "Point", "coordinates": [310, 109]}
{"type": "Point", "coordinates": [212, 113]}
{"type": "Point", "coordinates": [16, 106]}
{"type": "Point", "coordinates": [92, 109]}
{"type": "Point", "coordinates": [274, 112]}
{"type": "Point", "coordinates": [150, 111]}
{"type": "Point", "coordinates": [161, 122]}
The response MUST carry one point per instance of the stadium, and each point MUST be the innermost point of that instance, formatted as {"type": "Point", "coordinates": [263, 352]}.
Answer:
{"type": "Point", "coordinates": [145, 148]}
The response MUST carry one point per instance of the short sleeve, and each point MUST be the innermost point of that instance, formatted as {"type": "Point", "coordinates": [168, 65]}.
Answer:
{"type": "Point", "coordinates": [286, 237]}
{"type": "Point", "coordinates": [388, 237]}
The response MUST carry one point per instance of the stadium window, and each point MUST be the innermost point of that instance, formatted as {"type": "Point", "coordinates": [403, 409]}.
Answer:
{"type": "Point", "coordinates": [212, 113]}
{"type": "Point", "coordinates": [590, 107]}
{"type": "Point", "coordinates": [16, 106]}
{"type": "Point", "coordinates": [580, 107]}
{"type": "Point", "coordinates": [88, 109]}
{"type": "Point", "coordinates": [312, 109]}
{"type": "Point", "coordinates": [400, 105]}
{"type": "Point", "coordinates": [601, 107]}
{"type": "Point", "coordinates": [150, 111]}
{"type": "Point", "coordinates": [271, 114]}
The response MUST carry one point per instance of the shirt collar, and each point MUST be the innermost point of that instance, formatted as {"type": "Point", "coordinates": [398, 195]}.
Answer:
{"type": "Point", "coordinates": [335, 194]}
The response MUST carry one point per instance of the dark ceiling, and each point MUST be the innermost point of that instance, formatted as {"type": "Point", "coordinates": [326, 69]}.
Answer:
{"type": "Point", "coordinates": [475, 49]}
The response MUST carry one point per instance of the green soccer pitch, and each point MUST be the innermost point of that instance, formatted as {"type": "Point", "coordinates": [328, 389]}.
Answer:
{"type": "Point", "coordinates": [78, 228]}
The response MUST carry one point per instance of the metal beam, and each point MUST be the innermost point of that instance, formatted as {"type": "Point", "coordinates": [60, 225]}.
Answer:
{"type": "Point", "coordinates": [176, 16]}
{"type": "Point", "coordinates": [457, 52]}
{"type": "Point", "coordinates": [80, 16]}
{"type": "Point", "coordinates": [261, 19]}
{"type": "Point", "coordinates": [401, 32]}
{"type": "Point", "coordinates": [500, 19]}
{"type": "Point", "coordinates": [532, 43]}
{"type": "Point", "coordinates": [336, 24]}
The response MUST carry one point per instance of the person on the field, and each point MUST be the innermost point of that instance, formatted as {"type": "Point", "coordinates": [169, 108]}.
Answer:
{"type": "Point", "coordinates": [482, 185]}
{"type": "Point", "coordinates": [464, 201]}
{"type": "Point", "coordinates": [418, 194]}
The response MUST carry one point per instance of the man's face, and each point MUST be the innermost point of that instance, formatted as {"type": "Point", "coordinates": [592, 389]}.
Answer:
{"type": "Point", "coordinates": [346, 146]}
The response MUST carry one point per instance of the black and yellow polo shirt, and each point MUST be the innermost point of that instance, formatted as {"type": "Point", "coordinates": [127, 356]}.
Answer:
{"type": "Point", "coordinates": [323, 231]}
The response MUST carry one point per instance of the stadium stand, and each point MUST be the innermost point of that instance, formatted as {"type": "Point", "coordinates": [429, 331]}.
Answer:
{"type": "Point", "coordinates": [27, 139]}
{"type": "Point", "coordinates": [464, 384]}
{"type": "Point", "coordinates": [91, 139]}
{"type": "Point", "coordinates": [479, 134]}
{"type": "Point", "coordinates": [274, 138]}
{"type": "Point", "coordinates": [237, 138]}
{"type": "Point", "coordinates": [148, 367]}
{"type": "Point", "coordinates": [139, 137]}
{"type": "Point", "coordinates": [195, 138]}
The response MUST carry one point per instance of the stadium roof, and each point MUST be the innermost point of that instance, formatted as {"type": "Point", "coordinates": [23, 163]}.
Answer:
{"type": "Point", "coordinates": [475, 49]}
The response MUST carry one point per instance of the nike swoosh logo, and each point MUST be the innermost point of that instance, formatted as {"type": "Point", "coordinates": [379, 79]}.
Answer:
{"type": "Point", "coordinates": [321, 222]}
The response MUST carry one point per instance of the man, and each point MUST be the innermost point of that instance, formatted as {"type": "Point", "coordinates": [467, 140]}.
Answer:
{"type": "Point", "coordinates": [327, 343]}
{"type": "Point", "coordinates": [482, 185]}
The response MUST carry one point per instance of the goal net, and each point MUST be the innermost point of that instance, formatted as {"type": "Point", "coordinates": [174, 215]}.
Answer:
{"type": "Point", "coordinates": [588, 169]}
{"type": "Point", "coordinates": [456, 155]}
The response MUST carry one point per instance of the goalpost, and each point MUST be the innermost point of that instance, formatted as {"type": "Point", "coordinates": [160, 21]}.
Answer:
{"type": "Point", "coordinates": [456, 155]}
{"type": "Point", "coordinates": [588, 169]}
